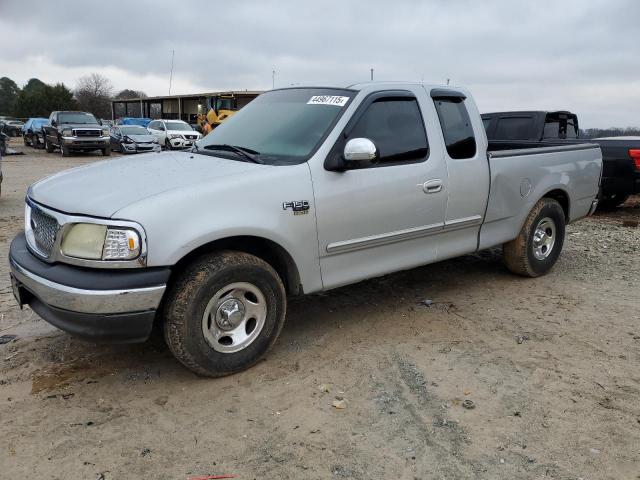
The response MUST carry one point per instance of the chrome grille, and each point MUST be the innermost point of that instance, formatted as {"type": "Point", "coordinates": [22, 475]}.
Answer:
{"type": "Point", "coordinates": [87, 133]}
{"type": "Point", "coordinates": [45, 229]}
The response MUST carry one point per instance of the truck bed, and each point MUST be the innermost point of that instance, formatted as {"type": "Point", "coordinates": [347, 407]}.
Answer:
{"type": "Point", "coordinates": [518, 177]}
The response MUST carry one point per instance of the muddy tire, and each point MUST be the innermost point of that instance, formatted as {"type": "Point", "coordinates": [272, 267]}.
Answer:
{"type": "Point", "coordinates": [64, 151]}
{"type": "Point", "coordinates": [223, 313]}
{"type": "Point", "coordinates": [538, 245]}
{"type": "Point", "coordinates": [48, 146]}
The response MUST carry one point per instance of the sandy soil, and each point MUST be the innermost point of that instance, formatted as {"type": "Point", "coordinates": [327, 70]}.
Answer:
{"type": "Point", "coordinates": [550, 364]}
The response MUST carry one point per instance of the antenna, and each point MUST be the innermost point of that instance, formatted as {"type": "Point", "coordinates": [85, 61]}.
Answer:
{"type": "Point", "coordinates": [448, 81]}
{"type": "Point", "coordinates": [372, 74]}
{"type": "Point", "coordinates": [173, 52]}
{"type": "Point", "coordinates": [273, 79]}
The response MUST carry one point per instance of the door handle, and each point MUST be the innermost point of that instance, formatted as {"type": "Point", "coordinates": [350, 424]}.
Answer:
{"type": "Point", "coordinates": [432, 186]}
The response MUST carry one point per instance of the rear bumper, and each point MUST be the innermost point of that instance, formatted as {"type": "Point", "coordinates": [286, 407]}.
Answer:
{"type": "Point", "coordinates": [119, 305]}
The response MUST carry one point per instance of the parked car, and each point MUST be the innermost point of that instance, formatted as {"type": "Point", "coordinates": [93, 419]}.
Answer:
{"type": "Point", "coordinates": [620, 155]}
{"type": "Point", "coordinates": [143, 122]}
{"type": "Point", "coordinates": [12, 128]}
{"type": "Point", "coordinates": [173, 133]}
{"type": "Point", "coordinates": [3, 150]}
{"type": "Point", "coordinates": [32, 132]}
{"type": "Point", "coordinates": [75, 132]}
{"type": "Point", "coordinates": [342, 185]}
{"type": "Point", "coordinates": [133, 139]}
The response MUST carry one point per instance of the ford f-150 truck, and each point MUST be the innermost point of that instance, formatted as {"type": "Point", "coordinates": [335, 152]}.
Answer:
{"type": "Point", "coordinates": [76, 132]}
{"type": "Point", "coordinates": [343, 184]}
{"type": "Point", "coordinates": [620, 155]}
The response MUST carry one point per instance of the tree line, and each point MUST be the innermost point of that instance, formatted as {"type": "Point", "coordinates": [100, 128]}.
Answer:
{"type": "Point", "coordinates": [93, 93]}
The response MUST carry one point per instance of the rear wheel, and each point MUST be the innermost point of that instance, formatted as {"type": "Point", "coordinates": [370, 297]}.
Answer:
{"type": "Point", "coordinates": [538, 245]}
{"type": "Point", "coordinates": [24, 139]}
{"type": "Point", "coordinates": [224, 312]}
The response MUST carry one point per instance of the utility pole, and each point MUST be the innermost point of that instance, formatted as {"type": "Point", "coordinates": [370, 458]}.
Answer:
{"type": "Point", "coordinates": [372, 74]}
{"type": "Point", "coordinates": [273, 79]}
{"type": "Point", "coordinates": [173, 52]}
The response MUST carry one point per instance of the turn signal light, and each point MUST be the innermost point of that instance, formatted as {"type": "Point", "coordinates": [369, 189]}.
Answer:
{"type": "Point", "coordinates": [635, 154]}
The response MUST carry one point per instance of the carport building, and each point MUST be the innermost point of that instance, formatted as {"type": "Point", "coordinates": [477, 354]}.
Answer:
{"type": "Point", "coordinates": [183, 107]}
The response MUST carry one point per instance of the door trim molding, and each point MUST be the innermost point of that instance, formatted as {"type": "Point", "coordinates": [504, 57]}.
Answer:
{"type": "Point", "coordinates": [384, 238]}
{"type": "Point", "coordinates": [402, 235]}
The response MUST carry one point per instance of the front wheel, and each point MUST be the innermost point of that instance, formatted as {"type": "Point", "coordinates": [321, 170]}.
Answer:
{"type": "Point", "coordinates": [48, 146]}
{"type": "Point", "coordinates": [106, 152]}
{"type": "Point", "coordinates": [538, 245]}
{"type": "Point", "coordinates": [64, 150]}
{"type": "Point", "coordinates": [224, 312]}
{"type": "Point", "coordinates": [167, 144]}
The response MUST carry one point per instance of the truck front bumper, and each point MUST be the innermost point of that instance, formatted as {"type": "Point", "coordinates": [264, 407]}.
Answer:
{"type": "Point", "coordinates": [78, 143]}
{"type": "Point", "coordinates": [102, 305]}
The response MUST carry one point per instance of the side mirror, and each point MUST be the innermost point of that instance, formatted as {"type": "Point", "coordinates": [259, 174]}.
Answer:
{"type": "Point", "coordinates": [359, 149]}
{"type": "Point", "coordinates": [54, 123]}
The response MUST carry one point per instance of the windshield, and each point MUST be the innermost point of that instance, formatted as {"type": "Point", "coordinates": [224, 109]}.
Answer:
{"type": "Point", "coordinates": [134, 130]}
{"type": "Point", "coordinates": [178, 126]}
{"type": "Point", "coordinates": [77, 117]}
{"type": "Point", "coordinates": [223, 103]}
{"type": "Point", "coordinates": [283, 126]}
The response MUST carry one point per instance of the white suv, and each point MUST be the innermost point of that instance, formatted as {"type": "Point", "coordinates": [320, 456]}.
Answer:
{"type": "Point", "coordinates": [173, 133]}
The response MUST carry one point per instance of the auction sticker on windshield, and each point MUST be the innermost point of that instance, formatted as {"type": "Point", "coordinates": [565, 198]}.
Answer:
{"type": "Point", "coordinates": [328, 100]}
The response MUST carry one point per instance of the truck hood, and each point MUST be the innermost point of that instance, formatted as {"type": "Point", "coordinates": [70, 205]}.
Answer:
{"type": "Point", "coordinates": [142, 138]}
{"type": "Point", "coordinates": [91, 126]}
{"type": "Point", "coordinates": [103, 188]}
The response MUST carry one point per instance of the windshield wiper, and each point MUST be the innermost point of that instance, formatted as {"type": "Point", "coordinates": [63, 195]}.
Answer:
{"type": "Point", "coordinates": [245, 152]}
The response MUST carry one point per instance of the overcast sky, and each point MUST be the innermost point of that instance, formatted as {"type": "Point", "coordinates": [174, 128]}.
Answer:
{"type": "Point", "coordinates": [575, 55]}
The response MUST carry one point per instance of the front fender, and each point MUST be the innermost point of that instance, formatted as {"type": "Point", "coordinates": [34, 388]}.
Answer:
{"type": "Point", "coordinates": [179, 221]}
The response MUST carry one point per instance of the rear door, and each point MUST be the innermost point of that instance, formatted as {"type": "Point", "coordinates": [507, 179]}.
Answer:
{"type": "Point", "coordinates": [385, 215]}
{"type": "Point", "coordinates": [468, 169]}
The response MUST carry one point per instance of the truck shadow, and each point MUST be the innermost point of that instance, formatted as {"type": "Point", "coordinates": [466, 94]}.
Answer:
{"type": "Point", "coordinates": [61, 360]}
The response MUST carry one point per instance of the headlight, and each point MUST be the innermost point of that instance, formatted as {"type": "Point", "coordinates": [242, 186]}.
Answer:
{"type": "Point", "coordinates": [99, 242]}
{"type": "Point", "coordinates": [67, 132]}
{"type": "Point", "coordinates": [121, 244]}
{"type": "Point", "coordinates": [105, 132]}
{"type": "Point", "coordinates": [175, 135]}
{"type": "Point", "coordinates": [84, 240]}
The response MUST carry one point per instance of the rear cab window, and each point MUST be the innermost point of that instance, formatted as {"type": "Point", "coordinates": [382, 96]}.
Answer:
{"type": "Point", "coordinates": [455, 123]}
{"type": "Point", "coordinates": [514, 128]}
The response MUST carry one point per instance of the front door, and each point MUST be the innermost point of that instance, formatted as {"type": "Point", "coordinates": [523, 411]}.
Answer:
{"type": "Point", "coordinates": [384, 215]}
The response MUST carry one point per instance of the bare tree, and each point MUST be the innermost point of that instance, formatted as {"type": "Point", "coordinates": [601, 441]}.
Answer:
{"type": "Point", "coordinates": [93, 93]}
{"type": "Point", "coordinates": [128, 93]}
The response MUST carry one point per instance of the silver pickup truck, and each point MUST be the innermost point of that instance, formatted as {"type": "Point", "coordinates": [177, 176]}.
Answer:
{"type": "Point", "coordinates": [304, 190]}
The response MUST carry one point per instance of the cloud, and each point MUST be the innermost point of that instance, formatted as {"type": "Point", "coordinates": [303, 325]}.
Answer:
{"type": "Point", "coordinates": [512, 55]}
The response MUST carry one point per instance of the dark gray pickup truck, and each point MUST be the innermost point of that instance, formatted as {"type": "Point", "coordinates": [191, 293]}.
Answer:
{"type": "Point", "coordinates": [76, 132]}
{"type": "Point", "coordinates": [526, 129]}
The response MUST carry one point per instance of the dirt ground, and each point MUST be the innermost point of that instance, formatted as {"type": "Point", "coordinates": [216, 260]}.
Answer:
{"type": "Point", "coordinates": [551, 365]}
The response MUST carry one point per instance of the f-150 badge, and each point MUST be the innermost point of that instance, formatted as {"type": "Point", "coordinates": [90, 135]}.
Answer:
{"type": "Point", "coordinates": [298, 207]}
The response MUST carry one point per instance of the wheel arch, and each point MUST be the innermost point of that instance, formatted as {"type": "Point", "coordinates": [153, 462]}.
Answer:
{"type": "Point", "coordinates": [562, 197]}
{"type": "Point", "coordinates": [268, 250]}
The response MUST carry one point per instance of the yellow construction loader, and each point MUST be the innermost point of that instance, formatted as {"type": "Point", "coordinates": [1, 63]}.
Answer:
{"type": "Point", "coordinates": [221, 108]}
